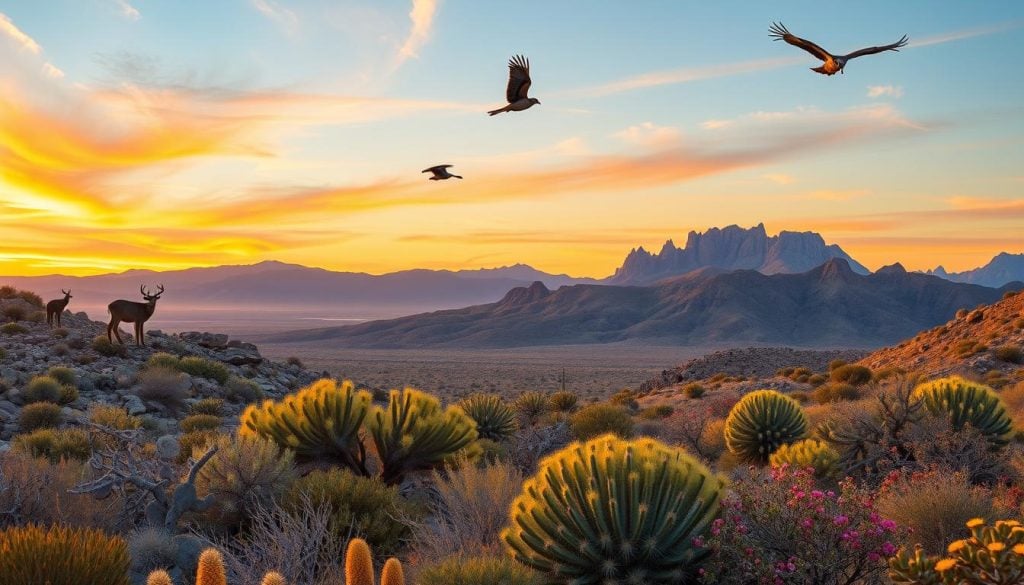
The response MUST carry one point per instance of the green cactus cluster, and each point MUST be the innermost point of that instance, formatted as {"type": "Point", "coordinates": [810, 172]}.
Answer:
{"type": "Point", "coordinates": [58, 555]}
{"type": "Point", "coordinates": [992, 555]}
{"type": "Point", "coordinates": [762, 422]}
{"type": "Point", "coordinates": [613, 511]}
{"type": "Point", "coordinates": [805, 453]}
{"type": "Point", "coordinates": [967, 403]}
{"type": "Point", "coordinates": [495, 419]}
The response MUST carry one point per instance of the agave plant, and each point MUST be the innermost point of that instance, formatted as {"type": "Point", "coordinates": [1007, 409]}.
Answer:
{"type": "Point", "coordinates": [495, 420]}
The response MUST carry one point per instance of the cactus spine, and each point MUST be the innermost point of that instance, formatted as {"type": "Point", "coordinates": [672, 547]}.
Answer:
{"type": "Point", "coordinates": [762, 422]}
{"type": "Point", "coordinates": [967, 403]}
{"type": "Point", "coordinates": [614, 511]}
{"type": "Point", "coordinates": [358, 563]}
{"type": "Point", "coordinates": [273, 578]}
{"type": "Point", "coordinates": [211, 568]}
{"type": "Point", "coordinates": [813, 453]}
{"type": "Point", "coordinates": [392, 573]}
{"type": "Point", "coordinates": [159, 577]}
{"type": "Point", "coordinates": [495, 420]}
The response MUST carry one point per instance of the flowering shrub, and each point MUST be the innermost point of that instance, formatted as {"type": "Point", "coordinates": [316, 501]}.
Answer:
{"type": "Point", "coordinates": [777, 527]}
{"type": "Point", "coordinates": [993, 555]}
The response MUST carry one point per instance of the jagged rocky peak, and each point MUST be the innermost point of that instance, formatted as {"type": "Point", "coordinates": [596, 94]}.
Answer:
{"type": "Point", "coordinates": [896, 268]}
{"type": "Point", "coordinates": [522, 295]}
{"type": "Point", "coordinates": [836, 268]}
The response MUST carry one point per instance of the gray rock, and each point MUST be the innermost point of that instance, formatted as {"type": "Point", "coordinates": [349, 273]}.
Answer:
{"type": "Point", "coordinates": [134, 405]}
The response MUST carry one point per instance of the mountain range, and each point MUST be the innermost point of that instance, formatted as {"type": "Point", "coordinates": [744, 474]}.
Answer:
{"type": "Point", "coordinates": [1003, 268]}
{"type": "Point", "coordinates": [830, 305]}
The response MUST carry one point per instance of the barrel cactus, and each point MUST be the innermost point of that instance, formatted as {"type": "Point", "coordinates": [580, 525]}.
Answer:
{"type": "Point", "coordinates": [211, 568]}
{"type": "Point", "coordinates": [495, 420]}
{"type": "Point", "coordinates": [812, 453]}
{"type": "Point", "coordinates": [359, 563]}
{"type": "Point", "coordinates": [614, 511]}
{"type": "Point", "coordinates": [414, 433]}
{"type": "Point", "coordinates": [762, 422]}
{"type": "Point", "coordinates": [967, 403]}
{"type": "Point", "coordinates": [392, 573]}
{"type": "Point", "coordinates": [321, 421]}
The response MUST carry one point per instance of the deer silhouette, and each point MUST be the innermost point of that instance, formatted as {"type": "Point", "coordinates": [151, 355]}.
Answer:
{"type": "Point", "coordinates": [55, 308]}
{"type": "Point", "coordinates": [132, 312]}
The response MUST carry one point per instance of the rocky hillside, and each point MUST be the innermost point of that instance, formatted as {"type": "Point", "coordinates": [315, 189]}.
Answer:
{"type": "Point", "coordinates": [110, 374]}
{"type": "Point", "coordinates": [988, 341]}
{"type": "Point", "coordinates": [732, 248]}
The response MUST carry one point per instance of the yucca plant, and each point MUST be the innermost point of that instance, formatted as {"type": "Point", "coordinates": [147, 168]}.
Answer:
{"type": "Point", "coordinates": [563, 401]}
{"type": "Point", "coordinates": [495, 420]}
{"type": "Point", "coordinates": [967, 403]}
{"type": "Point", "coordinates": [58, 555]}
{"type": "Point", "coordinates": [531, 406]}
{"type": "Point", "coordinates": [414, 433]}
{"type": "Point", "coordinates": [812, 453]}
{"type": "Point", "coordinates": [614, 511]}
{"type": "Point", "coordinates": [762, 422]}
{"type": "Point", "coordinates": [993, 555]}
{"type": "Point", "coordinates": [320, 421]}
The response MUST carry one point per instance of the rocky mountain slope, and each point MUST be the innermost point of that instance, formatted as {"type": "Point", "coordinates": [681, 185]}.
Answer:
{"type": "Point", "coordinates": [829, 306]}
{"type": "Point", "coordinates": [1002, 269]}
{"type": "Point", "coordinates": [731, 248]}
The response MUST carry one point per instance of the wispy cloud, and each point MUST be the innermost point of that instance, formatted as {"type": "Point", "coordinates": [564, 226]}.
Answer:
{"type": "Point", "coordinates": [127, 10]}
{"type": "Point", "coordinates": [650, 135]}
{"type": "Point", "coordinates": [837, 194]}
{"type": "Point", "coordinates": [51, 71]}
{"type": "Point", "coordinates": [422, 17]}
{"type": "Point", "coordinates": [11, 31]}
{"type": "Point", "coordinates": [273, 10]}
{"type": "Point", "coordinates": [967, 33]}
{"type": "Point", "coordinates": [780, 178]}
{"type": "Point", "coordinates": [875, 91]}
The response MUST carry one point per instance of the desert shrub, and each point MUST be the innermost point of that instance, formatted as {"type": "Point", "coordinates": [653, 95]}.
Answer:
{"type": "Point", "coordinates": [693, 390]}
{"type": "Point", "coordinates": [934, 442]}
{"type": "Point", "coordinates": [199, 422]}
{"type": "Point", "coordinates": [13, 329]}
{"type": "Point", "coordinates": [293, 361]}
{"type": "Point", "coordinates": [34, 490]}
{"type": "Point", "coordinates": [54, 445]}
{"type": "Point", "coordinates": [32, 555]}
{"type": "Point", "coordinates": [808, 454]}
{"type": "Point", "coordinates": [531, 406]}
{"type": "Point", "coordinates": [836, 363]}
{"type": "Point", "coordinates": [113, 417]}
{"type": "Point", "coordinates": [762, 422]}
{"type": "Point", "coordinates": [888, 373]}
{"type": "Point", "coordinates": [164, 386]}
{"type": "Point", "coordinates": [151, 548]}
{"type": "Point", "coordinates": [68, 394]}
{"type": "Point", "coordinates": [205, 368]}
{"type": "Point", "coordinates": [460, 570]}
{"type": "Point", "coordinates": [60, 332]}
{"type": "Point", "coordinates": [835, 392]}
{"type": "Point", "coordinates": [656, 412]}
{"type": "Point", "coordinates": [103, 346]}
{"type": "Point", "coordinates": [359, 507]}
{"type": "Point", "coordinates": [210, 406]}
{"type": "Point", "coordinates": [598, 419]}
{"type": "Point", "coordinates": [246, 473]}
{"type": "Point", "coordinates": [934, 504]}
{"type": "Point", "coordinates": [30, 298]}
{"type": "Point", "coordinates": [1009, 353]}
{"type": "Point", "coordinates": [991, 555]}
{"type": "Point", "coordinates": [625, 398]}
{"type": "Point", "coordinates": [42, 389]}
{"type": "Point", "coordinates": [63, 375]}
{"type": "Point", "coordinates": [816, 380]}
{"type": "Point", "coordinates": [15, 313]}
{"type": "Point", "coordinates": [564, 401]}
{"type": "Point", "coordinates": [967, 403]}
{"type": "Point", "coordinates": [780, 528]}
{"type": "Point", "coordinates": [36, 317]}
{"type": "Point", "coordinates": [193, 444]}
{"type": "Point", "coordinates": [554, 525]}
{"type": "Point", "coordinates": [852, 374]}
{"type": "Point", "coordinates": [495, 420]}
{"type": "Point", "coordinates": [163, 359]}
{"type": "Point", "coordinates": [968, 347]}
{"type": "Point", "coordinates": [469, 512]}
{"type": "Point", "coordinates": [39, 415]}
{"type": "Point", "coordinates": [242, 390]}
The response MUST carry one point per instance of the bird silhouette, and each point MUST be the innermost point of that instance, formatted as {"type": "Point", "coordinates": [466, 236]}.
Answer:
{"type": "Point", "coordinates": [518, 86]}
{"type": "Point", "coordinates": [440, 173]}
{"type": "Point", "coordinates": [832, 63]}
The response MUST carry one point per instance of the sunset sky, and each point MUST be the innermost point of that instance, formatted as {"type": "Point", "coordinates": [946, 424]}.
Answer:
{"type": "Point", "coordinates": [166, 134]}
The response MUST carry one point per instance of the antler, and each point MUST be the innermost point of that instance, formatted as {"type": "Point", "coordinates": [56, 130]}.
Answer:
{"type": "Point", "coordinates": [160, 289]}
{"type": "Point", "coordinates": [142, 289]}
{"type": "Point", "coordinates": [66, 292]}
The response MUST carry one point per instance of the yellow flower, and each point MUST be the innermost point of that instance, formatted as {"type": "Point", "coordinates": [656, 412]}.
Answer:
{"type": "Point", "coordinates": [945, 565]}
{"type": "Point", "coordinates": [996, 547]}
{"type": "Point", "coordinates": [975, 522]}
{"type": "Point", "coordinates": [956, 545]}
{"type": "Point", "coordinates": [1019, 549]}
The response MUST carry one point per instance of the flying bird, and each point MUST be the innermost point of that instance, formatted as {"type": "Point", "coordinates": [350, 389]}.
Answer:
{"type": "Point", "coordinates": [833, 63]}
{"type": "Point", "coordinates": [440, 173]}
{"type": "Point", "coordinates": [518, 85]}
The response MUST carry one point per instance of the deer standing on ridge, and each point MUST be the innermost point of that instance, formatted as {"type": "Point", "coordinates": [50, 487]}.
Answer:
{"type": "Point", "coordinates": [55, 308]}
{"type": "Point", "coordinates": [132, 312]}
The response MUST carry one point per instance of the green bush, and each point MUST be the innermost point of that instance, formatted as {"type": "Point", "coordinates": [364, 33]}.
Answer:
{"type": "Point", "coordinates": [42, 389]}
{"type": "Point", "coordinates": [625, 398]}
{"type": "Point", "coordinates": [693, 390]}
{"type": "Point", "coordinates": [211, 406]}
{"type": "Point", "coordinates": [163, 359]}
{"type": "Point", "coordinates": [816, 380]}
{"type": "Point", "coordinates": [359, 506]}
{"type": "Point", "coordinates": [811, 453]}
{"type": "Point", "coordinates": [656, 412]}
{"type": "Point", "coordinates": [113, 417]}
{"type": "Point", "coordinates": [853, 374]}
{"type": "Point", "coordinates": [199, 422]}
{"type": "Point", "coordinates": [13, 329]}
{"type": "Point", "coordinates": [762, 422]}
{"type": "Point", "coordinates": [68, 394]}
{"type": "Point", "coordinates": [477, 571]}
{"type": "Point", "coordinates": [39, 415]}
{"type": "Point", "coordinates": [495, 420]}
{"type": "Point", "coordinates": [598, 419]}
{"type": "Point", "coordinates": [103, 346]}
{"type": "Point", "coordinates": [1009, 353]}
{"type": "Point", "coordinates": [54, 445]}
{"type": "Point", "coordinates": [836, 363]}
{"type": "Point", "coordinates": [204, 368]}
{"type": "Point", "coordinates": [967, 403]}
{"type": "Point", "coordinates": [63, 374]}
{"type": "Point", "coordinates": [58, 555]}
{"type": "Point", "coordinates": [563, 401]}
{"type": "Point", "coordinates": [835, 392]}
{"type": "Point", "coordinates": [242, 390]}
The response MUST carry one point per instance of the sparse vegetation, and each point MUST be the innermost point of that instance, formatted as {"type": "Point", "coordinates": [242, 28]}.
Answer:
{"type": "Point", "coordinates": [204, 368]}
{"type": "Point", "coordinates": [598, 419]}
{"type": "Point", "coordinates": [55, 445]}
{"type": "Point", "coordinates": [13, 329]}
{"type": "Point", "coordinates": [693, 390]}
{"type": "Point", "coordinates": [852, 374]}
{"type": "Point", "coordinates": [1009, 353]}
{"type": "Point", "coordinates": [39, 415]}
{"type": "Point", "coordinates": [242, 390]}
{"type": "Point", "coordinates": [42, 389]}
{"type": "Point", "coordinates": [103, 346]}
{"type": "Point", "coordinates": [164, 386]}
{"type": "Point", "coordinates": [32, 555]}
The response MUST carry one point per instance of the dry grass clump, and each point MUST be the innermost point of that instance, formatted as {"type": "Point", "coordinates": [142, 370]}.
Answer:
{"type": "Point", "coordinates": [598, 419]}
{"type": "Point", "coordinates": [165, 386]}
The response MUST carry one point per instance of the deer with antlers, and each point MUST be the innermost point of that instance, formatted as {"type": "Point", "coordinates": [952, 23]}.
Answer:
{"type": "Point", "coordinates": [132, 312]}
{"type": "Point", "coordinates": [55, 308]}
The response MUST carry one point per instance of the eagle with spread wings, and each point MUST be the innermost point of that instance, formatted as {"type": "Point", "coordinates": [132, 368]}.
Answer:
{"type": "Point", "coordinates": [832, 63]}
{"type": "Point", "coordinates": [518, 86]}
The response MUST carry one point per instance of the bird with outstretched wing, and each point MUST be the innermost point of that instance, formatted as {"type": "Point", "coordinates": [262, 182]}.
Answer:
{"type": "Point", "coordinates": [832, 63]}
{"type": "Point", "coordinates": [440, 173]}
{"type": "Point", "coordinates": [516, 93]}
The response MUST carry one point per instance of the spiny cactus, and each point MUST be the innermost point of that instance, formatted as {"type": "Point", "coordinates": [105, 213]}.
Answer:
{"type": "Point", "coordinates": [211, 568]}
{"type": "Point", "coordinates": [358, 563]}
{"type": "Point", "coordinates": [762, 422]}
{"type": "Point", "coordinates": [159, 577]}
{"type": "Point", "coordinates": [614, 511]}
{"type": "Point", "coordinates": [966, 402]}
{"type": "Point", "coordinates": [808, 453]}
{"type": "Point", "coordinates": [993, 555]}
{"type": "Point", "coordinates": [392, 573]}
{"type": "Point", "coordinates": [58, 555]}
{"type": "Point", "coordinates": [320, 421]}
{"type": "Point", "coordinates": [495, 420]}
{"type": "Point", "coordinates": [273, 578]}
{"type": "Point", "coordinates": [414, 433]}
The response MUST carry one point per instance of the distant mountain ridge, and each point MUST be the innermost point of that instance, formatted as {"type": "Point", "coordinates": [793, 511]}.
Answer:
{"type": "Point", "coordinates": [1001, 269]}
{"type": "Point", "coordinates": [732, 248]}
{"type": "Point", "coordinates": [828, 306]}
